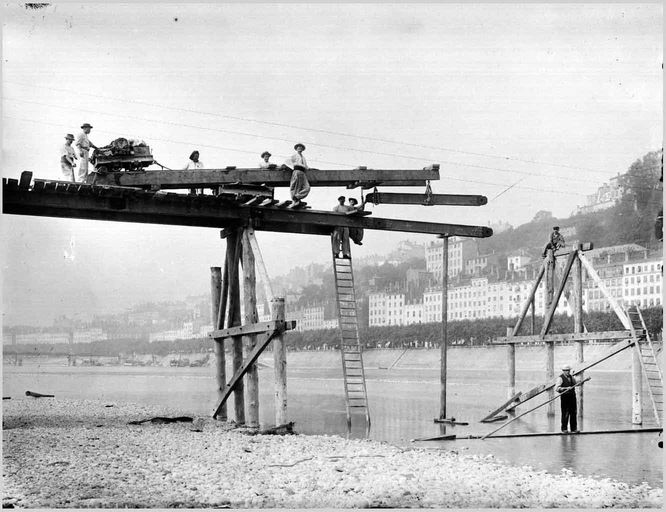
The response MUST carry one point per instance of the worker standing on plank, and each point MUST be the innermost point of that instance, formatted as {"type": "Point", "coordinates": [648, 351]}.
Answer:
{"type": "Point", "coordinates": [193, 164]}
{"type": "Point", "coordinates": [556, 241]}
{"type": "Point", "coordinates": [68, 158]}
{"type": "Point", "coordinates": [84, 145]}
{"type": "Point", "coordinates": [265, 164]}
{"type": "Point", "coordinates": [340, 235]}
{"type": "Point", "coordinates": [356, 234]}
{"type": "Point", "coordinates": [299, 187]}
{"type": "Point", "coordinates": [568, 399]}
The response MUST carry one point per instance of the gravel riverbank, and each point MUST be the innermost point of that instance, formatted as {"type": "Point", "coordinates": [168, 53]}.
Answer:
{"type": "Point", "coordinates": [84, 454]}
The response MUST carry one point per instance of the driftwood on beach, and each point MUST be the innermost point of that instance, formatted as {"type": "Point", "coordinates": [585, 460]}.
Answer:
{"type": "Point", "coordinates": [38, 395]}
{"type": "Point", "coordinates": [162, 419]}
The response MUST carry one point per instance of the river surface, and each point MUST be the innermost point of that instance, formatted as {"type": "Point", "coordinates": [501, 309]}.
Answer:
{"type": "Point", "coordinates": [403, 403]}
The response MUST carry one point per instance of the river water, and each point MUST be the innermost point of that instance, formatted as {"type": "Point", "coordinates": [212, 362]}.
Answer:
{"type": "Point", "coordinates": [403, 403]}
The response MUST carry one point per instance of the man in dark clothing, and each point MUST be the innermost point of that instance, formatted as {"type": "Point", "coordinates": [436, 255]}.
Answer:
{"type": "Point", "coordinates": [556, 241]}
{"type": "Point", "coordinates": [356, 234]}
{"type": "Point", "coordinates": [568, 399]}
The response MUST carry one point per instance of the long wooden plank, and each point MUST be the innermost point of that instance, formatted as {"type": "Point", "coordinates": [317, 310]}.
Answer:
{"type": "Point", "coordinates": [242, 330]}
{"type": "Point", "coordinates": [277, 177]}
{"type": "Point", "coordinates": [176, 211]}
{"type": "Point", "coordinates": [452, 437]}
{"type": "Point", "coordinates": [581, 336]}
{"type": "Point", "coordinates": [422, 199]}
{"type": "Point", "coordinates": [501, 408]}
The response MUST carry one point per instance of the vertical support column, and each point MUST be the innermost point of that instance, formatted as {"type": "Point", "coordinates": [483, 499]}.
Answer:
{"type": "Point", "coordinates": [550, 346]}
{"type": "Point", "coordinates": [550, 375]}
{"type": "Point", "coordinates": [532, 312]}
{"type": "Point", "coordinates": [444, 342]}
{"type": "Point", "coordinates": [218, 295]}
{"type": "Point", "coordinates": [578, 328]}
{"type": "Point", "coordinates": [636, 388]}
{"type": "Point", "coordinates": [234, 240]}
{"type": "Point", "coordinates": [251, 317]}
{"type": "Point", "coordinates": [280, 365]}
{"type": "Point", "coordinates": [511, 364]}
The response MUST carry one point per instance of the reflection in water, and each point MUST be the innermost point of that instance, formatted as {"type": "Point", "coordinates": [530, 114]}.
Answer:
{"type": "Point", "coordinates": [568, 451]}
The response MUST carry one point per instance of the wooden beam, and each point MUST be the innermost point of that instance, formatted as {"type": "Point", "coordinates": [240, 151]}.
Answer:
{"type": "Point", "coordinates": [205, 211]}
{"type": "Point", "coordinates": [261, 267]}
{"type": "Point", "coordinates": [252, 329]}
{"type": "Point", "coordinates": [423, 199]}
{"type": "Point", "coordinates": [235, 320]}
{"type": "Point", "coordinates": [619, 311]}
{"type": "Point", "coordinates": [556, 298]}
{"type": "Point", "coordinates": [271, 177]}
{"type": "Point", "coordinates": [236, 381]}
{"type": "Point", "coordinates": [250, 341]}
{"type": "Point", "coordinates": [512, 399]}
{"type": "Point", "coordinates": [561, 338]}
{"type": "Point", "coordinates": [530, 298]}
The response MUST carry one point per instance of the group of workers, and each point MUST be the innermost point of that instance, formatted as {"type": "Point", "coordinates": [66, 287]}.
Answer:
{"type": "Point", "coordinates": [70, 153]}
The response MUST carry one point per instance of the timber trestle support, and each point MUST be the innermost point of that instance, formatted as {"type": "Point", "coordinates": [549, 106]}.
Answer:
{"type": "Point", "coordinates": [634, 336]}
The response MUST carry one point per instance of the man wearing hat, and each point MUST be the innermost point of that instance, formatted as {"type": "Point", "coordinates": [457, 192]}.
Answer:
{"type": "Point", "coordinates": [299, 187]}
{"type": "Point", "coordinates": [556, 241]}
{"type": "Point", "coordinates": [564, 385]}
{"type": "Point", "coordinates": [84, 145]}
{"type": "Point", "coordinates": [68, 158]}
{"type": "Point", "coordinates": [340, 235]}
{"type": "Point", "coordinates": [356, 234]}
{"type": "Point", "coordinates": [265, 164]}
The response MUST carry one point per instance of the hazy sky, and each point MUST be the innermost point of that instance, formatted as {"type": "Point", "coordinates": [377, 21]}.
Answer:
{"type": "Point", "coordinates": [552, 99]}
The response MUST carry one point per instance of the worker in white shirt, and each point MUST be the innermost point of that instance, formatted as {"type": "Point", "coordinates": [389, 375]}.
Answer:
{"type": "Point", "coordinates": [299, 187]}
{"type": "Point", "coordinates": [265, 164]}
{"type": "Point", "coordinates": [340, 235]}
{"type": "Point", "coordinates": [68, 158]}
{"type": "Point", "coordinates": [84, 145]}
{"type": "Point", "coordinates": [193, 164]}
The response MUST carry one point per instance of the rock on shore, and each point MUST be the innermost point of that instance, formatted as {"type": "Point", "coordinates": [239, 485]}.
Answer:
{"type": "Point", "coordinates": [83, 454]}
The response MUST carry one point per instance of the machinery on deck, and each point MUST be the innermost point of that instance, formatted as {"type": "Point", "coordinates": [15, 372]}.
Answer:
{"type": "Point", "coordinates": [122, 154]}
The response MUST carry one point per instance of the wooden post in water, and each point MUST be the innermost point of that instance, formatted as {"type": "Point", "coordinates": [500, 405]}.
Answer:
{"type": "Point", "coordinates": [216, 298]}
{"type": "Point", "coordinates": [636, 388]}
{"type": "Point", "coordinates": [511, 363]}
{"type": "Point", "coordinates": [251, 317]}
{"type": "Point", "coordinates": [550, 346]}
{"type": "Point", "coordinates": [280, 365]}
{"type": "Point", "coordinates": [234, 240]}
{"type": "Point", "coordinates": [444, 342]}
{"type": "Point", "coordinates": [578, 327]}
{"type": "Point", "coordinates": [532, 311]}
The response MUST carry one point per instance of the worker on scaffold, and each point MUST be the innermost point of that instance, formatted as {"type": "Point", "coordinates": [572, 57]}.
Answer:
{"type": "Point", "coordinates": [556, 241]}
{"type": "Point", "coordinates": [265, 163]}
{"type": "Point", "coordinates": [340, 235]}
{"type": "Point", "coordinates": [356, 234]}
{"type": "Point", "coordinates": [565, 383]}
{"type": "Point", "coordinates": [299, 187]}
{"type": "Point", "coordinates": [84, 144]}
{"type": "Point", "coordinates": [68, 158]}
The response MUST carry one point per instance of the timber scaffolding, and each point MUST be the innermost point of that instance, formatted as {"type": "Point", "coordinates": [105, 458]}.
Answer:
{"type": "Point", "coordinates": [635, 335]}
{"type": "Point", "coordinates": [244, 202]}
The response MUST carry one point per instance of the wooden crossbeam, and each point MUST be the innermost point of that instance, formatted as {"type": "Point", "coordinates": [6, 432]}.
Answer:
{"type": "Point", "coordinates": [559, 338]}
{"type": "Point", "coordinates": [108, 203]}
{"type": "Point", "coordinates": [422, 199]}
{"type": "Point", "coordinates": [262, 342]}
{"type": "Point", "coordinates": [270, 177]}
{"type": "Point", "coordinates": [242, 330]}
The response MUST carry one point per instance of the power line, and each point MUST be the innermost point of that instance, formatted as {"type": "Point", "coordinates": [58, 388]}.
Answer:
{"type": "Point", "coordinates": [395, 155]}
{"type": "Point", "coordinates": [317, 130]}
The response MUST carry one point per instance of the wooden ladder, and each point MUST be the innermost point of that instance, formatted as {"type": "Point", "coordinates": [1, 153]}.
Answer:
{"type": "Point", "coordinates": [648, 359]}
{"type": "Point", "coordinates": [356, 396]}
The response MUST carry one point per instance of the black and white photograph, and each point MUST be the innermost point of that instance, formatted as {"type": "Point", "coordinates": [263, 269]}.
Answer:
{"type": "Point", "coordinates": [332, 255]}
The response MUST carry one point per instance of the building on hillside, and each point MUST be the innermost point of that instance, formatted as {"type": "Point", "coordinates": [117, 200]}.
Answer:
{"type": "Point", "coordinates": [486, 264]}
{"type": "Point", "coordinates": [642, 282]}
{"type": "Point", "coordinates": [460, 250]}
{"type": "Point", "coordinates": [517, 261]}
{"type": "Point", "coordinates": [386, 308]}
{"type": "Point", "coordinates": [183, 333]}
{"type": "Point", "coordinates": [413, 313]}
{"type": "Point", "coordinates": [605, 197]}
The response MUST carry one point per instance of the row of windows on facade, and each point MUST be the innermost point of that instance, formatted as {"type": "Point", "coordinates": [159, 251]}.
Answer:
{"type": "Point", "coordinates": [637, 269]}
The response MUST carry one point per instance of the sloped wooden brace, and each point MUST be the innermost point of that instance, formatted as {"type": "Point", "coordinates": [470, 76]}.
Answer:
{"type": "Point", "coordinates": [262, 343]}
{"type": "Point", "coordinates": [616, 307]}
{"type": "Point", "coordinates": [530, 298]}
{"type": "Point", "coordinates": [556, 298]}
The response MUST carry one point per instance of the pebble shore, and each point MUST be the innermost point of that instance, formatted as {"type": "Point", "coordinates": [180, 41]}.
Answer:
{"type": "Point", "coordinates": [84, 454]}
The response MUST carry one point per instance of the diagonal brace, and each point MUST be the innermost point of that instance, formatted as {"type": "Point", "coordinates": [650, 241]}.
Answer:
{"type": "Point", "coordinates": [262, 343]}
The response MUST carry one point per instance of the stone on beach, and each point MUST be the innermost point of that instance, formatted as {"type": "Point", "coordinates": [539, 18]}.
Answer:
{"type": "Point", "coordinates": [55, 455]}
